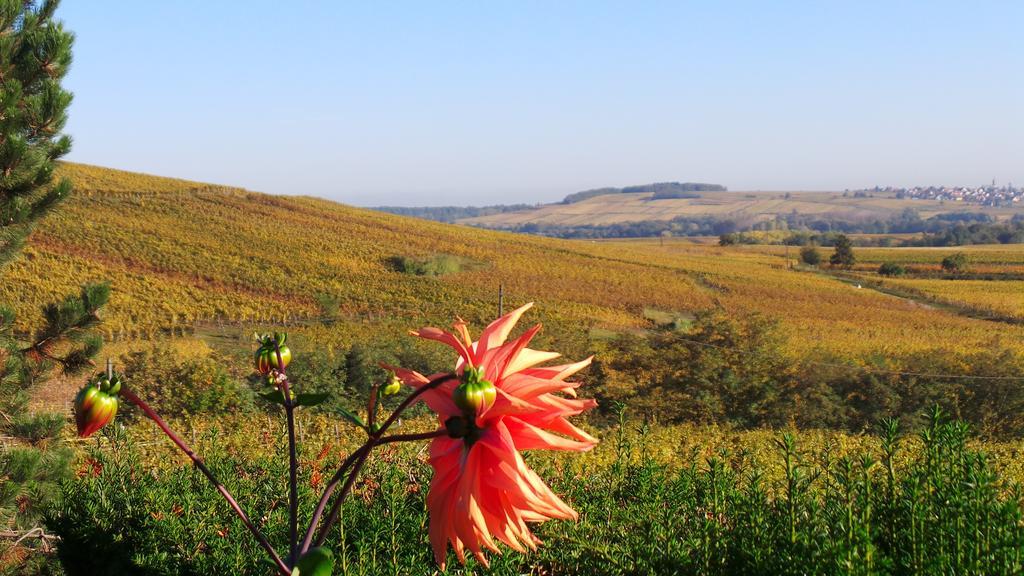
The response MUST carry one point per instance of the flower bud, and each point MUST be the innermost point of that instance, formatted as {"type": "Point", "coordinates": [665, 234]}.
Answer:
{"type": "Point", "coordinates": [110, 384]}
{"type": "Point", "coordinates": [393, 386]}
{"type": "Point", "coordinates": [474, 395]}
{"type": "Point", "coordinates": [94, 407]}
{"type": "Point", "coordinates": [265, 358]}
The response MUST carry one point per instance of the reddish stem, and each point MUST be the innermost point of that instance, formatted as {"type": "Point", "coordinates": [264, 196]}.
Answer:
{"type": "Point", "coordinates": [322, 504]}
{"type": "Point", "coordinates": [198, 462]}
{"type": "Point", "coordinates": [375, 439]}
{"type": "Point", "coordinates": [293, 461]}
{"type": "Point", "coordinates": [336, 507]}
{"type": "Point", "coordinates": [371, 408]}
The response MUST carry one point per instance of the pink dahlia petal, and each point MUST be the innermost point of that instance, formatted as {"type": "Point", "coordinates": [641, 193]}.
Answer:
{"type": "Point", "coordinates": [445, 337]}
{"type": "Point", "coordinates": [528, 357]}
{"type": "Point", "coordinates": [530, 437]}
{"type": "Point", "coordinates": [558, 372]}
{"type": "Point", "coordinates": [497, 332]}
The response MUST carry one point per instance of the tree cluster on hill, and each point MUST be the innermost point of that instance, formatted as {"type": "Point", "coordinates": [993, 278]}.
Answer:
{"type": "Point", "coordinates": [587, 194]}
{"type": "Point", "coordinates": [661, 191]}
{"type": "Point", "coordinates": [961, 234]}
{"type": "Point", "coordinates": [953, 229]}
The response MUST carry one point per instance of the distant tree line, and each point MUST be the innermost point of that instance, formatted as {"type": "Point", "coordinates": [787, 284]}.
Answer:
{"type": "Point", "coordinates": [450, 214]}
{"type": "Point", "coordinates": [679, 226]}
{"type": "Point", "coordinates": [947, 231]}
{"type": "Point", "coordinates": [906, 221]}
{"type": "Point", "coordinates": [952, 229]}
{"type": "Point", "coordinates": [943, 230]}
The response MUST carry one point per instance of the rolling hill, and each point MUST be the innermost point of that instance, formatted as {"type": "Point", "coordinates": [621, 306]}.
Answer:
{"type": "Point", "coordinates": [743, 208]}
{"type": "Point", "coordinates": [182, 254]}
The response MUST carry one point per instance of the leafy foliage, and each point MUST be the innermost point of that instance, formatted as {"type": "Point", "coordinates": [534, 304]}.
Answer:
{"type": "Point", "coordinates": [884, 504]}
{"type": "Point", "coordinates": [190, 385]}
{"type": "Point", "coordinates": [955, 263]}
{"type": "Point", "coordinates": [891, 269]}
{"type": "Point", "coordinates": [435, 265]}
{"type": "Point", "coordinates": [843, 255]}
{"type": "Point", "coordinates": [810, 255]}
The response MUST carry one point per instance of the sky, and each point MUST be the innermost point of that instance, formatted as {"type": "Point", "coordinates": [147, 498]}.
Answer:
{"type": "Point", "coordinates": [473, 103]}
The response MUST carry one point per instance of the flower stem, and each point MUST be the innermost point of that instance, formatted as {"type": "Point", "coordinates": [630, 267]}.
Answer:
{"type": "Point", "coordinates": [293, 463]}
{"type": "Point", "coordinates": [358, 458]}
{"type": "Point", "coordinates": [336, 507]}
{"type": "Point", "coordinates": [371, 408]}
{"type": "Point", "coordinates": [412, 437]}
{"type": "Point", "coordinates": [198, 462]}
{"type": "Point", "coordinates": [328, 490]}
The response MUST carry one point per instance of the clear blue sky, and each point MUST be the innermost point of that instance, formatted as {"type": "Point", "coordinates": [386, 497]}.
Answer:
{"type": "Point", "coordinates": [426, 103]}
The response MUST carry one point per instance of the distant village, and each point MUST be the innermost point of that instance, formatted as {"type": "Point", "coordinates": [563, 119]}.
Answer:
{"type": "Point", "coordinates": [985, 195]}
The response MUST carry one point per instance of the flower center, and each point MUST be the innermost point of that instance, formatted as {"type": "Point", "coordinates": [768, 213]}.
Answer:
{"type": "Point", "coordinates": [464, 429]}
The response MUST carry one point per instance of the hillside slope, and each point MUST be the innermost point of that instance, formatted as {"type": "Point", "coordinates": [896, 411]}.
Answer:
{"type": "Point", "coordinates": [180, 253]}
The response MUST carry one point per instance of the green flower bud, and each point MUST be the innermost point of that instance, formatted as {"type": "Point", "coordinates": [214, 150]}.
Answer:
{"type": "Point", "coordinates": [474, 395]}
{"type": "Point", "coordinates": [111, 385]}
{"type": "Point", "coordinates": [393, 386]}
{"type": "Point", "coordinates": [265, 358]}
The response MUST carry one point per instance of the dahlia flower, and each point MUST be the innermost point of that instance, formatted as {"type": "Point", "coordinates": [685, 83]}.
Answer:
{"type": "Point", "coordinates": [482, 491]}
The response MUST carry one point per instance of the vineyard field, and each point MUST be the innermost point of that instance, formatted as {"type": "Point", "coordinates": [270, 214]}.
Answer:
{"type": "Point", "coordinates": [180, 253]}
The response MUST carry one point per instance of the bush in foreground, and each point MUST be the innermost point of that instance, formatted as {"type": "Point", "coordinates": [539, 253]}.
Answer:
{"type": "Point", "coordinates": [937, 508]}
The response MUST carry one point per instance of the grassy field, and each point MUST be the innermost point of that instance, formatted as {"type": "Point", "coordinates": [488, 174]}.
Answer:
{"type": "Point", "coordinates": [743, 207]}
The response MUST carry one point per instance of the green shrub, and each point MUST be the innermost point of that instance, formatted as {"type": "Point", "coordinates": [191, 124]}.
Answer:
{"type": "Point", "coordinates": [810, 255]}
{"type": "Point", "coordinates": [891, 269]}
{"type": "Point", "coordinates": [435, 265]}
{"type": "Point", "coordinates": [330, 306]}
{"type": "Point", "coordinates": [177, 385]}
{"type": "Point", "coordinates": [37, 428]}
{"type": "Point", "coordinates": [955, 263]}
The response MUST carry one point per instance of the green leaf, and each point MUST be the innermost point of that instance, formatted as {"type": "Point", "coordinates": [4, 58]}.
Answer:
{"type": "Point", "coordinates": [351, 417]}
{"type": "Point", "coordinates": [275, 396]}
{"type": "Point", "coordinates": [311, 399]}
{"type": "Point", "coordinates": [316, 562]}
